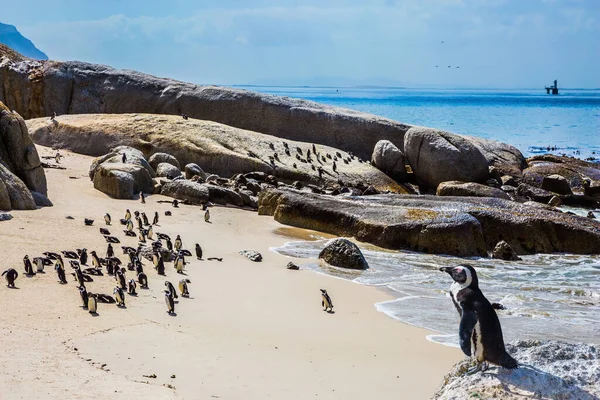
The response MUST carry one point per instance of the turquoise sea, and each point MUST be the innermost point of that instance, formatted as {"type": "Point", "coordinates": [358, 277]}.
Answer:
{"type": "Point", "coordinates": [528, 119]}
{"type": "Point", "coordinates": [553, 296]}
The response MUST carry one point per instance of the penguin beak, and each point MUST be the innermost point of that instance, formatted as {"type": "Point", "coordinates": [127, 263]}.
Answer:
{"type": "Point", "coordinates": [448, 270]}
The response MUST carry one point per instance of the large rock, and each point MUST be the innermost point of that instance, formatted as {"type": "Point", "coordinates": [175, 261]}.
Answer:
{"type": "Point", "coordinates": [18, 193]}
{"type": "Point", "coordinates": [167, 170]}
{"type": "Point", "coordinates": [437, 156]}
{"type": "Point", "coordinates": [122, 181]}
{"type": "Point", "coordinates": [455, 188]}
{"type": "Point", "coordinates": [115, 155]}
{"type": "Point", "coordinates": [344, 254]}
{"type": "Point", "coordinates": [189, 191]}
{"type": "Point", "coordinates": [534, 193]}
{"type": "Point", "coordinates": [389, 159]}
{"type": "Point", "coordinates": [462, 226]}
{"type": "Point", "coordinates": [192, 170]}
{"type": "Point", "coordinates": [507, 159]}
{"type": "Point", "coordinates": [575, 171]}
{"type": "Point", "coordinates": [557, 184]}
{"type": "Point", "coordinates": [158, 158]}
{"type": "Point", "coordinates": [503, 251]}
{"type": "Point", "coordinates": [41, 200]}
{"type": "Point", "coordinates": [550, 370]}
{"type": "Point", "coordinates": [220, 149]}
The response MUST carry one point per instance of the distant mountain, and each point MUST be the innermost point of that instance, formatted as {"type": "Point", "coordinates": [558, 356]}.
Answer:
{"type": "Point", "coordinates": [10, 36]}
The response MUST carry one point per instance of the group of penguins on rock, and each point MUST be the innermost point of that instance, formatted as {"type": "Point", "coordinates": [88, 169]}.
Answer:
{"type": "Point", "coordinates": [480, 333]}
{"type": "Point", "coordinates": [113, 266]}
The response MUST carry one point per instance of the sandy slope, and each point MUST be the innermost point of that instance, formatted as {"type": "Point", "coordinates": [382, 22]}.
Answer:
{"type": "Point", "coordinates": [249, 330]}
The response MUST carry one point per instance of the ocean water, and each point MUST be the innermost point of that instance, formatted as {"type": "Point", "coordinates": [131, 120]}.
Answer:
{"type": "Point", "coordinates": [528, 119]}
{"type": "Point", "coordinates": [547, 296]}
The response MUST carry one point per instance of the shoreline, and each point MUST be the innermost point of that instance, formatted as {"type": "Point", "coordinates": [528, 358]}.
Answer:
{"type": "Point", "coordinates": [249, 329]}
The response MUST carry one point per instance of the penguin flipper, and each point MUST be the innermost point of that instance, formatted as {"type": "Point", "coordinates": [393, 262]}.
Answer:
{"type": "Point", "coordinates": [465, 329]}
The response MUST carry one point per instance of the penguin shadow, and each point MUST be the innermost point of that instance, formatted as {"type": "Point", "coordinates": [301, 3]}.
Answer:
{"type": "Point", "coordinates": [29, 275]}
{"type": "Point", "coordinates": [330, 312]}
{"type": "Point", "coordinates": [208, 222]}
{"type": "Point", "coordinates": [133, 294]}
{"type": "Point", "coordinates": [534, 380]}
{"type": "Point", "coordinates": [182, 273]}
{"type": "Point", "coordinates": [95, 314]}
{"type": "Point", "coordinates": [172, 314]}
{"type": "Point", "coordinates": [13, 287]}
{"type": "Point", "coordinates": [122, 306]}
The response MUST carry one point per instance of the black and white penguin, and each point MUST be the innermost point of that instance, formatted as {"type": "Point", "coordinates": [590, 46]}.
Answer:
{"type": "Point", "coordinates": [183, 287]}
{"type": "Point", "coordinates": [92, 304]}
{"type": "Point", "coordinates": [119, 296]}
{"type": "Point", "coordinates": [155, 220]}
{"type": "Point", "coordinates": [131, 286]}
{"type": "Point", "coordinates": [107, 218]}
{"type": "Point", "coordinates": [112, 239]}
{"type": "Point", "coordinates": [178, 243]}
{"type": "Point", "coordinates": [110, 266]}
{"type": "Point", "coordinates": [160, 265]}
{"type": "Point", "coordinates": [171, 288]}
{"type": "Point", "coordinates": [207, 216]}
{"type": "Point", "coordinates": [170, 302]}
{"type": "Point", "coordinates": [10, 276]}
{"type": "Point", "coordinates": [122, 279]}
{"type": "Point", "coordinates": [28, 266]}
{"type": "Point", "coordinates": [480, 333]}
{"type": "Point", "coordinates": [129, 225]}
{"type": "Point", "coordinates": [142, 198]}
{"type": "Point", "coordinates": [40, 263]}
{"type": "Point", "coordinates": [83, 256]}
{"type": "Point", "coordinates": [198, 252]}
{"type": "Point", "coordinates": [60, 272]}
{"type": "Point", "coordinates": [150, 233]}
{"type": "Point", "coordinates": [143, 280]}
{"type": "Point", "coordinates": [124, 158]}
{"type": "Point", "coordinates": [84, 296]}
{"type": "Point", "coordinates": [127, 215]}
{"type": "Point", "coordinates": [110, 252]}
{"type": "Point", "coordinates": [145, 219]}
{"type": "Point", "coordinates": [326, 302]}
{"type": "Point", "coordinates": [79, 276]}
{"type": "Point", "coordinates": [169, 245]}
{"type": "Point", "coordinates": [175, 204]}
{"type": "Point", "coordinates": [140, 224]}
{"type": "Point", "coordinates": [179, 263]}
{"type": "Point", "coordinates": [70, 254]}
{"type": "Point", "coordinates": [95, 259]}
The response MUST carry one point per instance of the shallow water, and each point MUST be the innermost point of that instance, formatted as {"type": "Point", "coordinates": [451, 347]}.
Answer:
{"type": "Point", "coordinates": [547, 296]}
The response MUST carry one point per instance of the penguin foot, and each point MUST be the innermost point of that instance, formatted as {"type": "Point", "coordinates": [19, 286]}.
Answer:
{"type": "Point", "coordinates": [479, 367]}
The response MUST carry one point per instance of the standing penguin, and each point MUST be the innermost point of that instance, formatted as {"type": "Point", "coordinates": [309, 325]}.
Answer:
{"type": "Point", "coordinates": [119, 296]}
{"type": "Point", "coordinates": [110, 266]}
{"type": "Point", "coordinates": [326, 301]}
{"type": "Point", "coordinates": [169, 244]}
{"type": "Point", "coordinates": [11, 277]}
{"type": "Point", "coordinates": [179, 263]}
{"type": "Point", "coordinates": [107, 218]}
{"type": "Point", "coordinates": [60, 272]}
{"type": "Point", "coordinates": [110, 252]}
{"type": "Point", "coordinates": [155, 220]}
{"type": "Point", "coordinates": [95, 260]}
{"type": "Point", "coordinates": [92, 304]}
{"type": "Point", "coordinates": [150, 233]}
{"type": "Point", "coordinates": [129, 225]}
{"type": "Point", "coordinates": [28, 266]}
{"type": "Point", "coordinates": [183, 287]}
{"type": "Point", "coordinates": [142, 198]}
{"type": "Point", "coordinates": [207, 216]}
{"type": "Point", "coordinates": [145, 219]}
{"type": "Point", "coordinates": [143, 280]}
{"type": "Point", "coordinates": [160, 265]}
{"type": "Point", "coordinates": [139, 222]}
{"type": "Point", "coordinates": [84, 296]}
{"type": "Point", "coordinates": [198, 252]}
{"type": "Point", "coordinates": [171, 289]}
{"type": "Point", "coordinates": [131, 287]}
{"type": "Point", "coordinates": [178, 243]}
{"type": "Point", "coordinates": [83, 256]}
{"type": "Point", "coordinates": [127, 215]}
{"type": "Point", "coordinates": [479, 331]}
{"type": "Point", "coordinates": [79, 276]}
{"type": "Point", "coordinates": [170, 302]}
{"type": "Point", "coordinates": [120, 277]}
{"type": "Point", "coordinates": [39, 263]}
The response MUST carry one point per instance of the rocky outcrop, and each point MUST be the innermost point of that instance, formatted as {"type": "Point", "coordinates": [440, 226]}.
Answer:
{"type": "Point", "coordinates": [158, 158]}
{"type": "Point", "coordinates": [550, 370]}
{"type": "Point", "coordinates": [192, 170]}
{"type": "Point", "coordinates": [576, 172]}
{"type": "Point", "coordinates": [344, 254]}
{"type": "Point", "coordinates": [16, 195]}
{"type": "Point", "coordinates": [455, 188]}
{"type": "Point", "coordinates": [437, 156]}
{"type": "Point", "coordinates": [503, 251]}
{"type": "Point", "coordinates": [389, 159]}
{"type": "Point", "coordinates": [189, 191]}
{"type": "Point", "coordinates": [461, 226]}
{"type": "Point", "coordinates": [166, 170]}
{"type": "Point", "coordinates": [122, 154]}
{"type": "Point", "coordinates": [507, 159]}
{"type": "Point", "coordinates": [218, 148]}
{"type": "Point", "coordinates": [557, 184]}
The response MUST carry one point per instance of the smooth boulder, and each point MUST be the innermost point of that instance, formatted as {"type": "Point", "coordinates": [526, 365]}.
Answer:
{"type": "Point", "coordinates": [15, 190]}
{"type": "Point", "coordinates": [192, 170]}
{"type": "Point", "coordinates": [189, 191]}
{"type": "Point", "coordinates": [389, 159]}
{"type": "Point", "coordinates": [557, 184]}
{"type": "Point", "coordinates": [158, 158]}
{"type": "Point", "coordinates": [166, 170]}
{"type": "Point", "coordinates": [344, 254]}
{"type": "Point", "coordinates": [456, 188]}
{"type": "Point", "coordinates": [437, 156]}
{"type": "Point", "coordinates": [122, 181]}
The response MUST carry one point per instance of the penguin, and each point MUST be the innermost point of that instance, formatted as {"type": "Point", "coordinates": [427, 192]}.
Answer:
{"type": "Point", "coordinates": [28, 266]}
{"type": "Point", "coordinates": [179, 263]}
{"type": "Point", "coordinates": [184, 288]}
{"type": "Point", "coordinates": [138, 267]}
{"type": "Point", "coordinates": [95, 259]}
{"type": "Point", "coordinates": [92, 304]}
{"type": "Point", "coordinates": [142, 236]}
{"type": "Point", "coordinates": [110, 267]}
{"type": "Point", "coordinates": [160, 266]}
{"type": "Point", "coordinates": [120, 277]}
{"type": "Point", "coordinates": [142, 198]}
{"type": "Point", "coordinates": [79, 276]}
{"type": "Point", "coordinates": [70, 254]}
{"type": "Point", "coordinates": [480, 333]}
{"type": "Point", "coordinates": [124, 158]}
{"type": "Point", "coordinates": [314, 149]}
{"type": "Point", "coordinates": [168, 213]}
{"type": "Point", "coordinates": [119, 296]}
{"type": "Point", "coordinates": [112, 239]}
{"type": "Point", "coordinates": [169, 245]}
{"type": "Point", "coordinates": [11, 277]}
{"type": "Point", "coordinates": [334, 167]}
{"type": "Point", "coordinates": [145, 219]}
{"type": "Point", "coordinates": [83, 256]}
{"type": "Point", "coordinates": [107, 218]}
{"type": "Point", "coordinates": [88, 221]}
{"type": "Point", "coordinates": [184, 116]}
{"type": "Point", "coordinates": [110, 252]}
{"type": "Point", "coordinates": [61, 274]}
{"type": "Point", "coordinates": [60, 262]}
{"type": "Point", "coordinates": [150, 233]}
{"type": "Point", "coordinates": [139, 222]}
{"type": "Point", "coordinates": [131, 287]}
{"type": "Point", "coordinates": [84, 296]}
{"type": "Point", "coordinates": [178, 243]}
{"type": "Point", "coordinates": [171, 289]}
{"type": "Point", "coordinates": [40, 263]}
{"type": "Point", "coordinates": [198, 252]}
{"type": "Point", "coordinates": [175, 203]}
{"type": "Point", "coordinates": [207, 216]}
{"type": "Point", "coordinates": [129, 225]}
{"type": "Point", "coordinates": [127, 215]}
{"type": "Point", "coordinates": [155, 220]}
{"type": "Point", "coordinates": [170, 302]}
{"type": "Point", "coordinates": [326, 301]}
{"type": "Point", "coordinates": [143, 280]}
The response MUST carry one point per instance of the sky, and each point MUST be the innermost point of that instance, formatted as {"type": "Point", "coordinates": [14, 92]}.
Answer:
{"type": "Point", "coordinates": [494, 43]}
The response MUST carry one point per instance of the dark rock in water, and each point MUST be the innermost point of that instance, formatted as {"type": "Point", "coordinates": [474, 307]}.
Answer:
{"type": "Point", "coordinates": [503, 251]}
{"type": "Point", "coordinates": [455, 188]}
{"type": "Point", "coordinates": [390, 160]}
{"type": "Point", "coordinates": [292, 266]}
{"type": "Point", "coordinates": [534, 193]}
{"type": "Point", "coordinates": [461, 226]}
{"type": "Point", "coordinates": [344, 254]}
{"type": "Point", "coordinates": [252, 255]}
{"type": "Point", "coordinates": [41, 200]}
{"type": "Point", "coordinates": [5, 216]}
{"type": "Point", "coordinates": [557, 184]}
{"type": "Point", "coordinates": [591, 215]}
{"type": "Point", "coordinates": [550, 370]}
{"type": "Point", "coordinates": [555, 201]}
{"type": "Point", "coordinates": [437, 156]}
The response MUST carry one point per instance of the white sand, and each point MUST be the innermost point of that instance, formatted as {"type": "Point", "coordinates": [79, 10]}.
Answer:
{"type": "Point", "coordinates": [249, 330]}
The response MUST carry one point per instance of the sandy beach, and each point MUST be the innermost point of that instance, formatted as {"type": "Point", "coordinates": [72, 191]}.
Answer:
{"type": "Point", "coordinates": [248, 330]}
